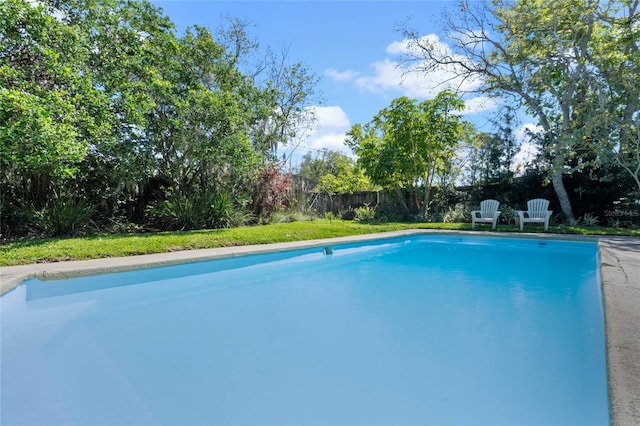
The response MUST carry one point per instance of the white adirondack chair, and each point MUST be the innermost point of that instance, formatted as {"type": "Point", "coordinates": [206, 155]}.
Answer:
{"type": "Point", "coordinates": [488, 213]}
{"type": "Point", "coordinates": [536, 213]}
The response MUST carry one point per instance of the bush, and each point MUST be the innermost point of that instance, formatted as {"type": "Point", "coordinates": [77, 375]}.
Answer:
{"type": "Point", "coordinates": [589, 220]}
{"type": "Point", "coordinates": [507, 215]}
{"type": "Point", "coordinates": [68, 217]}
{"type": "Point", "coordinates": [348, 215]}
{"type": "Point", "coordinates": [20, 220]}
{"type": "Point", "coordinates": [288, 217]}
{"type": "Point", "coordinates": [365, 213]}
{"type": "Point", "coordinates": [208, 210]}
{"type": "Point", "coordinates": [459, 213]}
{"type": "Point", "coordinates": [271, 190]}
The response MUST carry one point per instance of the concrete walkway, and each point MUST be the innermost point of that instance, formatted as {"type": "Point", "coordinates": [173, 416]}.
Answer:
{"type": "Point", "coordinates": [620, 276]}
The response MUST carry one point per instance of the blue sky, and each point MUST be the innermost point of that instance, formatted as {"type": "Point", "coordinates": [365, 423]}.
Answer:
{"type": "Point", "coordinates": [353, 46]}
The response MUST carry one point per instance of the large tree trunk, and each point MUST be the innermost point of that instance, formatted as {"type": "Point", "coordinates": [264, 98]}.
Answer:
{"type": "Point", "coordinates": [558, 186]}
{"type": "Point", "coordinates": [427, 199]}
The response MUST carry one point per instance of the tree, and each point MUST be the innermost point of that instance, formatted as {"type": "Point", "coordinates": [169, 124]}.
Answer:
{"type": "Point", "coordinates": [541, 54]}
{"type": "Point", "coordinates": [49, 108]}
{"type": "Point", "coordinates": [314, 166]}
{"type": "Point", "coordinates": [408, 144]}
{"type": "Point", "coordinates": [292, 90]}
{"type": "Point", "coordinates": [349, 178]}
{"type": "Point", "coordinates": [489, 156]}
{"type": "Point", "coordinates": [102, 101]}
{"type": "Point", "coordinates": [198, 127]}
{"type": "Point", "coordinates": [612, 128]}
{"type": "Point", "coordinates": [334, 172]}
{"type": "Point", "coordinates": [282, 109]}
{"type": "Point", "coordinates": [128, 44]}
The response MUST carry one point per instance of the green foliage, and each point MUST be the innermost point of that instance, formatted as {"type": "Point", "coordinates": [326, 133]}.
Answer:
{"type": "Point", "coordinates": [68, 216]}
{"type": "Point", "coordinates": [20, 219]}
{"type": "Point", "coordinates": [572, 64]}
{"type": "Point", "coordinates": [104, 99]}
{"type": "Point", "coordinates": [314, 166]}
{"type": "Point", "coordinates": [408, 144]}
{"type": "Point", "coordinates": [459, 213]}
{"type": "Point", "coordinates": [290, 216]}
{"type": "Point", "coordinates": [63, 216]}
{"type": "Point", "coordinates": [489, 157]}
{"type": "Point", "coordinates": [349, 178]}
{"type": "Point", "coordinates": [589, 220]}
{"type": "Point", "coordinates": [334, 172]}
{"type": "Point", "coordinates": [49, 108]}
{"type": "Point", "coordinates": [207, 210]}
{"type": "Point", "coordinates": [365, 213]}
{"type": "Point", "coordinates": [507, 215]}
{"type": "Point", "coordinates": [348, 215]}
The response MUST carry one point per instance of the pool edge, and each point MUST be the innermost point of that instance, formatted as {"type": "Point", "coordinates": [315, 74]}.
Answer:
{"type": "Point", "coordinates": [619, 261]}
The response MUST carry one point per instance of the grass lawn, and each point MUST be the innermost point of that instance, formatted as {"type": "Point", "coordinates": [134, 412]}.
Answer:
{"type": "Point", "coordinates": [26, 251]}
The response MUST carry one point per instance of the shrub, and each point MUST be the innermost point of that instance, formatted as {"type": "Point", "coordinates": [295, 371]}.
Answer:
{"type": "Point", "coordinates": [614, 223]}
{"type": "Point", "coordinates": [365, 213]}
{"type": "Point", "coordinates": [207, 210]}
{"type": "Point", "coordinates": [271, 190]}
{"type": "Point", "coordinates": [508, 215]}
{"type": "Point", "coordinates": [459, 213]}
{"type": "Point", "coordinates": [20, 219]}
{"type": "Point", "coordinates": [240, 217]}
{"type": "Point", "coordinates": [67, 216]}
{"type": "Point", "coordinates": [589, 220]}
{"type": "Point", "coordinates": [573, 223]}
{"type": "Point", "coordinates": [290, 216]}
{"type": "Point", "coordinates": [348, 215]}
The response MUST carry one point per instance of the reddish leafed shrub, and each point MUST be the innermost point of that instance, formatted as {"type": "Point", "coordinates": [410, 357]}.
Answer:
{"type": "Point", "coordinates": [271, 190]}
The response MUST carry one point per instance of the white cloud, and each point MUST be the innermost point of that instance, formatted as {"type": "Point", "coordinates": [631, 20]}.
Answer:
{"type": "Point", "coordinates": [331, 117]}
{"type": "Point", "coordinates": [528, 149]}
{"type": "Point", "coordinates": [331, 127]}
{"type": "Point", "coordinates": [328, 132]}
{"type": "Point", "coordinates": [386, 75]}
{"type": "Point", "coordinates": [392, 75]}
{"type": "Point", "coordinates": [479, 104]}
{"type": "Point", "coordinates": [341, 75]}
{"type": "Point", "coordinates": [332, 141]}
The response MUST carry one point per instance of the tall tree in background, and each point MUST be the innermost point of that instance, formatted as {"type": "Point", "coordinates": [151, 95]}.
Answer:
{"type": "Point", "coordinates": [293, 91]}
{"type": "Point", "coordinates": [490, 156]}
{"type": "Point", "coordinates": [334, 172]}
{"type": "Point", "coordinates": [128, 44]}
{"type": "Point", "coordinates": [50, 110]}
{"type": "Point", "coordinates": [198, 126]}
{"type": "Point", "coordinates": [612, 128]}
{"type": "Point", "coordinates": [408, 144]}
{"type": "Point", "coordinates": [101, 100]}
{"type": "Point", "coordinates": [542, 54]}
{"type": "Point", "coordinates": [314, 166]}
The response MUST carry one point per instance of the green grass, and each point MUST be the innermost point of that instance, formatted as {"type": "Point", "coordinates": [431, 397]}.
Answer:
{"type": "Point", "coordinates": [26, 251]}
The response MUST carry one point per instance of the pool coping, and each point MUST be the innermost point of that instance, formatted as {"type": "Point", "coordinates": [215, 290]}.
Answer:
{"type": "Point", "coordinates": [619, 259]}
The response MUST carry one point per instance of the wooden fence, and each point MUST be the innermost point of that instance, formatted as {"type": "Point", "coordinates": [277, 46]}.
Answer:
{"type": "Point", "coordinates": [303, 197]}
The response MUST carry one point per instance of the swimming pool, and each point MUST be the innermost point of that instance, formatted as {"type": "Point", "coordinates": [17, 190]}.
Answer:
{"type": "Point", "coordinates": [411, 330]}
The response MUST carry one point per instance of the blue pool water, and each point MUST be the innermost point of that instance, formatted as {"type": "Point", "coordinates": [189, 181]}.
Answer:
{"type": "Point", "coordinates": [420, 330]}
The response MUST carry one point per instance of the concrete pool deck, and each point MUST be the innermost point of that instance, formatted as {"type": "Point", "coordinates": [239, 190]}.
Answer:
{"type": "Point", "coordinates": [619, 271]}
